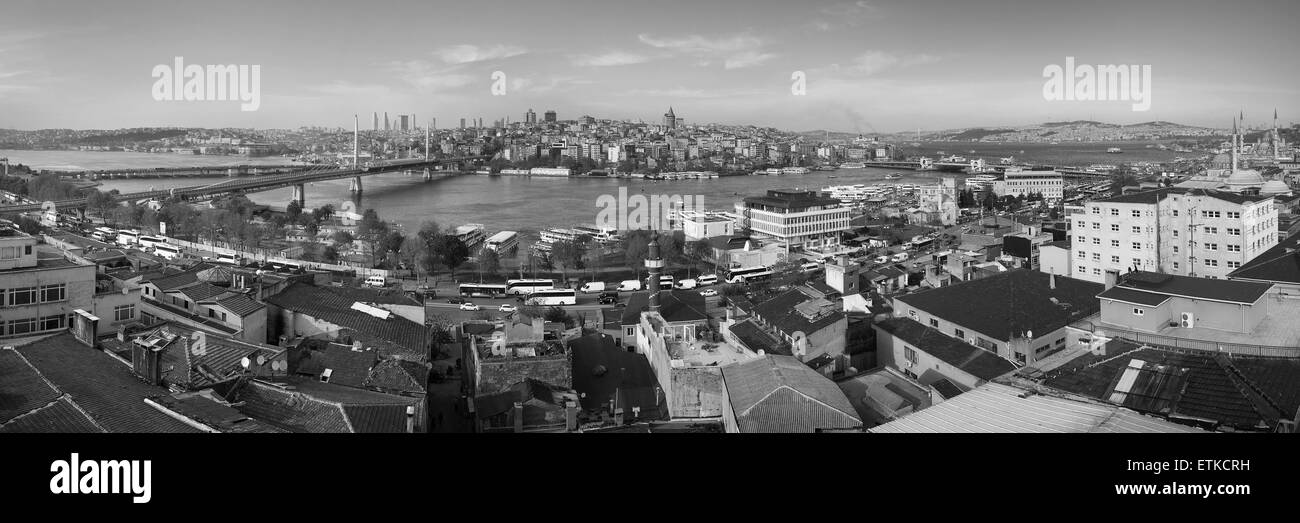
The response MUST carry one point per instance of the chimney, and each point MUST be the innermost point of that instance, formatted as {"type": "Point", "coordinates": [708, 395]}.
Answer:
{"type": "Point", "coordinates": [1112, 278]}
{"type": "Point", "coordinates": [410, 419]}
{"type": "Point", "coordinates": [519, 417]}
{"type": "Point", "coordinates": [654, 264]}
{"type": "Point", "coordinates": [146, 362]}
{"type": "Point", "coordinates": [571, 416]}
{"type": "Point", "coordinates": [618, 416]}
{"type": "Point", "coordinates": [539, 328]}
{"type": "Point", "coordinates": [1051, 280]}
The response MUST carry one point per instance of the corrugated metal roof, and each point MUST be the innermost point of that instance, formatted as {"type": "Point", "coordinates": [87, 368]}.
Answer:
{"type": "Point", "coordinates": [997, 408]}
{"type": "Point", "coordinates": [781, 394]}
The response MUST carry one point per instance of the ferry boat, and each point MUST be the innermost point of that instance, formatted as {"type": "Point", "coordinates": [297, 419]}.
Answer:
{"type": "Point", "coordinates": [562, 234]}
{"type": "Point", "coordinates": [503, 242]}
{"type": "Point", "coordinates": [853, 165]}
{"type": "Point", "coordinates": [893, 176]}
{"type": "Point", "coordinates": [1114, 150]}
{"type": "Point", "coordinates": [980, 181]}
{"type": "Point", "coordinates": [471, 234]}
{"type": "Point", "coordinates": [603, 235]}
{"type": "Point", "coordinates": [1008, 160]}
{"type": "Point", "coordinates": [795, 170]}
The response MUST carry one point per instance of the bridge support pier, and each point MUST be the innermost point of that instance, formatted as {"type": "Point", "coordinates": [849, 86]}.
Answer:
{"type": "Point", "coordinates": [356, 184]}
{"type": "Point", "coordinates": [299, 195]}
{"type": "Point", "coordinates": [427, 174]}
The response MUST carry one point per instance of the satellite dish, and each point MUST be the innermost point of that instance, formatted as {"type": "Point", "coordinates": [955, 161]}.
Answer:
{"type": "Point", "coordinates": [1029, 334]}
{"type": "Point", "coordinates": [279, 365]}
{"type": "Point", "coordinates": [245, 362]}
{"type": "Point", "coordinates": [261, 360]}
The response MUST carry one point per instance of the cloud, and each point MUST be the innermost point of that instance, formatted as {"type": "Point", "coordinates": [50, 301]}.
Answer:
{"type": "Point", "coordinates": [467, 53]}
{"type": "Point", "coordinates": [681, 92]}
{"type": "Point", "coordinates": [609, 59]}
{"type": "Point", "coordinates": [735, 52]}
{"type": "Point", "coordinates": [873, 62]}
{"type": "Point", "coordinates": [847, 14]}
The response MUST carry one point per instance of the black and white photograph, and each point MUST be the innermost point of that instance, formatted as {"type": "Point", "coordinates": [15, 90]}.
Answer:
{"type": "Point", "coordinates": [443, 230]}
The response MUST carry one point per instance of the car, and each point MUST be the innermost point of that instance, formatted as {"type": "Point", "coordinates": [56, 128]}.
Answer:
{"type": "Point", "coordinates": [709, 292]}
{"type": "Point", "coordinates": [467, 306]}
{"type": "Point", "coordinates": [607, 300]}
{"type": "Point", "coordinates": [455, 300]}
{"type": "Point", "coordinates": [506, 307]}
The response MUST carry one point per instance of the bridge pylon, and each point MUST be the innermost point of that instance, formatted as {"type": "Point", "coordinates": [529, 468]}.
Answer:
{"type": "Point", "coordinates": [300, 195]}
{"type": "Point", "coordinates": [427, 174]}
{"type": "Point", "coordinates": [356, 184]}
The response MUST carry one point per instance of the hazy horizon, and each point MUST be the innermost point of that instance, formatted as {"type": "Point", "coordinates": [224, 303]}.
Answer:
{"type": "Point", "coordinates": [870, 66]}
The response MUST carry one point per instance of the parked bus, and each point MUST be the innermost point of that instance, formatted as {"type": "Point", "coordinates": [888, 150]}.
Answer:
{"type": "Point", "coordinates": [104, 234]}
{"type": "Point", "coordinates": [482, 290]}
{"type": "Point", "coordinates": [521, 287]}
{"type": "Point", "coordinates": [127, 238]}
{"type": "Point", "coordinates": [170, 252]}
{"type": "Point", "coordinates": [229, 258]}
{"type": "Point", "coordinates": [745, 274]}
{"type": "Point", "coordinates": [553, 297]}
{"type": "Point", "coordinates": [149, 242]}
{"type": "Point", "coordinates": [811, 267]}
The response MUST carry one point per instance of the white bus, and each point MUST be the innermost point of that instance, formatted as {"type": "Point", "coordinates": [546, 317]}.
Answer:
{"type": "Point", "coordinates": [553, 297]}
{"type": "Point", "coordinates": [127, 238]}
{"type": "Point", "coordinates": [520, 287]}
{"type": "Point", "coordinates": [811, 267]}
{"type": "Point", "coordinates": [482, 290]}
{"type": "Point", "coordinates": [170, 252]}
{"type": "Point", "coordinates": [103, 234]}
{"type": "Point", "coordinates": [149, 242]}
{"type": "Point", "coordinates": [744, 274]}
{"type": "Point", "coordinates": [229, 258]}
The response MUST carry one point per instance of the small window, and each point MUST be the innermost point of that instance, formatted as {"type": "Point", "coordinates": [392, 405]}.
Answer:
{"type": "Point", "coordinates": [934, 323]}
{"type": "Point", "coordinates": [1138, 312]}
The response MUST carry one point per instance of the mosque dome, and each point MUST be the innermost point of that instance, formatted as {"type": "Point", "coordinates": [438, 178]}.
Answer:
{"type": "Point", "coordinates": [1245, 178]}
{"type": "Point", "coordinates": [1274, 187]}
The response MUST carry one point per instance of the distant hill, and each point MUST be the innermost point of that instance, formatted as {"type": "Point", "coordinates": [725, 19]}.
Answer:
{"type": "Point", "coordinates": [1080, 130]}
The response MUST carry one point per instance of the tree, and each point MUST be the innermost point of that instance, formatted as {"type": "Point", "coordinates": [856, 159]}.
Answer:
{"type": "Point", "coordinates": [293, 210]}
{"type": "Point", "coordinates": [488, 263]}
{"type": "Point", "coordinates": [568, 255]}
{"type": "Point", "coordinates": [372, 231]}
{"type": "Point", "coordinates": [393, 242]}
{"type": "Point", "coordinates": [556, 314]}
{"type": "Point", "coordinates": [323, 213]}
{"type": "Point", "coordinates": [447, 251]}
{"type": "Point", "coordinates": [330, 254]}
{"type": "Point", "coordinates": [342, 237]}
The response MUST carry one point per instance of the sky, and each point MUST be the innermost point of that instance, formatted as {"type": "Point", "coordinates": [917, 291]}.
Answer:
{"type": "Point", "coordinates": [867, 66]}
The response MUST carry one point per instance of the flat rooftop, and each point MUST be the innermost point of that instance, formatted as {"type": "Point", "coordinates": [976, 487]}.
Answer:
{"type": "Point", "coordinates": [700, 354]}
{"type": "Point", "coordinates": [1278, 329]}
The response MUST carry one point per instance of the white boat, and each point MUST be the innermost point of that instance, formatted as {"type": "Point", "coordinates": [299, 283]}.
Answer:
{"type": "Point", "coordinates": [795, 170]}
{"type": "Point", "coordinates": [471, 234]}
{"type": "Point", "coordinates": [980, 181]}
{"type": "Point", "coordinates": [853, 165]}
{"type": "Point", "coordinates": [503, 242]}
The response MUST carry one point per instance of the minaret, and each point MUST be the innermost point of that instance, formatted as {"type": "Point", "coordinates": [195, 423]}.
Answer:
{"type": "Point", "coordinates": [1275, 136]}
{"type": "Point", "coordinates": [356, 142]}
{"type": "Point", "coordinates": [653, 264]}
{"type": "Point", "coordinates": [426, 143]}
{"type": "Point", "coordinates": [1234, 147]}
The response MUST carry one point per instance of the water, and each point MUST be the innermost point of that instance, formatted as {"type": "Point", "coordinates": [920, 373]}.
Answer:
{"type": "Point", "coordinates": [1064, 154]}
{"type": "Point", "coordinates": [530, 204]}
{"type": "Point", "coordinates": [85, 160]}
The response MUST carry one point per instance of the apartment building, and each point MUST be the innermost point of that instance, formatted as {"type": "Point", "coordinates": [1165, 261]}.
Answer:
{"type": "Point", "coordinates": [1182, 231]}
{"type": "Point", "coordinates": [1026, 182]}
{"type": "Point", "coordinates": [40, 286]}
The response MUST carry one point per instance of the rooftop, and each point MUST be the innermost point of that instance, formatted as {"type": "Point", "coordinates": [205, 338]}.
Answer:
{"type": "Point", "coordinates": [602, 369]}
{"type": "Point", "coordinates": [1280, 264]}
{"type": "Point", "coordinates": [780, 394]}
{"type": "Point", "coordinates": [1000, 408]}
{"type": "Point", "coordinates": [1186, 286]}
{"type": "Point", "coordinates": [798, 310]}
{"type": "Point", "coordinates": [676, 306]}
{"type": "Point", "coordinates": [1011, 303]}
{"type": "Point", "coordinates": [334, 305]}
{"type": "Point", "coordinates": [973, 360]}
{"type": "Point", "coordinates": [1153, 196]}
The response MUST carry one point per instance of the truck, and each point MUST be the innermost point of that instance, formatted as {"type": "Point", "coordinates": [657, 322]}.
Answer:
{"type": "Point", "coordinates": [592, 287]}
{"type": "Point", "coordinates": [629, 285]}
{"type": "Point", "coordinates": [688, 283]}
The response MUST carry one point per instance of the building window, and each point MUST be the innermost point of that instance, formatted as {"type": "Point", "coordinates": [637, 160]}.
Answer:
{"type": "Point", "coordinates": [1114, 259]}
{"type": "Point", "coordinates": [1211, 230]}
{"type": "Point", "coordinates": [1096, 241]}
{"type": "Point", "coordinates": [1114, 227]}
{"type": "Point", "coordinates": [22, 326]}
{"type": "Point", "coordinates": [1234, 264]}
{"type": "Point", "coordinates": [1096, 271]}
{"type": "Point", "coordinates": [1137, 246]}
{"type": "Point", "coordinates": [1096, 225]}
{"type": "Point", "coordinates": [49, 323]}
{"type": "Point", "coordinates": [1175, 213]}
{"type": "Point", "coordinates": [909, 354]}
{"type": "Point", "coordinates": [985, 344]}
{"type": "Point", "coordinates": [1137, 213]}
{"type": "Point", "coordinates": [1096, 210]}
{"type": "Point", "coordinates": [1137, 229]}
{"type": "Point", "coordinates": [1211, 263]}
{"type": "Point", "coordinates": [24, 296]}
{"type": "Point", "coordinates": [1234, 248]}
{"type": "Point", "coordinates": [8, 253]}
{"type": "Point", "coordinates": [1234, 232]}
{"type": "Point", "coordinates": [1175, 233]}
{"type": "Point", "coordinates": [1083, 254]}
{"type": "Point", "coordinates": [960, 333]}
{"type": "Point", "coordinates": [1114, 243]}
{"type": "Point", "coordinates": [934, 323]}
{"type": "Point", "coordinates": [1234, 215]}
{"type": "Point", "coordinates": [911, 314]}
{"type": "Point", "coordinates": [1212, 246]}
{"type": "Point", "coordinates": [51, 293]}
{"type": "Point", "coordinates": [127, 312]}
{"type": "Point", "coordinates": [1138, 312]}
{"type": "Point", "coordinates": [1114, 212]}
{"type": "Point", "coordinates": [1096, 256]}
{"type": "Point", "coordinates": [1175, 265]}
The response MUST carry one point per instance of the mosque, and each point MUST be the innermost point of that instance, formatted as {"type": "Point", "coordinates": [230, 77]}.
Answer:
{"type": "Point", "coordinates": [1225, 173]}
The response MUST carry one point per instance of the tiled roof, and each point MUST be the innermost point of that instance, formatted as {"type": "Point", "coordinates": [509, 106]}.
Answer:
{"type": "Point", "coordinates": [627, 372]}
{"type": "Point", "coordinates": [1280, 263]}
{"type": "Point", "coordinates": [781, 394]}
{"type": "Point", "coordinates": [22, 388]}
{"type": "Point", "coordinates": [398, 376]}
{"type": "Point", "coordinates": [334, 307]}
{"type": "Point", "coordinates": [1185, 385]}
{"type": "Point", "coordinates": [238, 304]}
{"type": "Point", "coordinates": [180, 360]}
{"type": "Point", "coordinates": [1200, 288]}
{"type": "Point", "coordinates": [199, 291]}
{"type": "Point", "coordinates": [61, 417]}
{"type": "Point", "coordinates": [999, 408]}
{"type": "Point", "coordinates": [205, 410]}
{"type": "Point", "coordinates": [312, 406]}
{"type": "Point", "coordinates": [675, 306]}
{"type": "Point", "coordinates": [103, 387]}
{"type": "Point", "coordinates": [755, 338]}
{"type": "Point", "coordinates": [973, 360]}
{"type": "Point", "coordinates": [783, 312]}
{"type": "Point", "coordinates": [1010, 303]}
